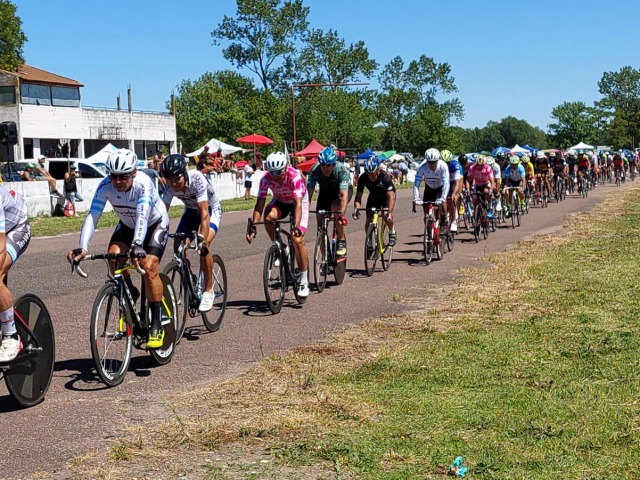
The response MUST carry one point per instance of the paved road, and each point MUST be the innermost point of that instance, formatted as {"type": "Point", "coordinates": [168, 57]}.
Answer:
{"type": "Point", "coordinates": [80, 415]}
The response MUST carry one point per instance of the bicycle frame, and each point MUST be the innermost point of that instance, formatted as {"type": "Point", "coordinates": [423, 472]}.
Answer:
{"type": "Point", "coordinates": [185, 266]}
{"type": "Point", "coordinates": [277, 240]}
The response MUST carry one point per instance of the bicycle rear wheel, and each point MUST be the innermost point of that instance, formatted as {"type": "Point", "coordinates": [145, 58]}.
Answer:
{"type": "Point", "coordinates": [164, 354]}
{"type": "Point", "coordinates": [28, 380]}
{"type": "Point", "coordinates": [477, 222]}
{"type": "Point", "coordinates": [174, 272]}
{"type": "Point", "coordinates": [387, 253]}
{"type": "Point", "coordinates": [110, 335]}
{"type": "Point", "coordinates": [320, 262]}
{"type": "Point", "coordinates": [340, 268]}
{"type": "Point", "coordinates": [427, 240]}
{"type": "Point", "coordinates": [273, 279]}
{"type": "Point", "coordinates": [213, 318]}
{"type": "Point", "coordinates": [370, 252]}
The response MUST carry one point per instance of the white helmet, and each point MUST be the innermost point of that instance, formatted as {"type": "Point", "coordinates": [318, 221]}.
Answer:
{"type": "Point", "coordinates": [489, 160]}
{"type": "Point", "coordinates": [275, 161]}
{"type": "Point", "coordinates": [432, 155]}
{"type": "Point", "coordinates": [122, 161]}
{"type": "Point", "coordinates": [540, 154]}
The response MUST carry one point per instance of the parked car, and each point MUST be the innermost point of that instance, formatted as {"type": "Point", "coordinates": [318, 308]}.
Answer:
{"type": "Point", "coordinates": [57, 167]}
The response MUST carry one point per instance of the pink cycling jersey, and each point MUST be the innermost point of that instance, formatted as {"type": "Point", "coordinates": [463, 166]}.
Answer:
{"type": "Point", "coordinates": [292, 186]}
{"type": "Point", "coordinates": [480, 174]}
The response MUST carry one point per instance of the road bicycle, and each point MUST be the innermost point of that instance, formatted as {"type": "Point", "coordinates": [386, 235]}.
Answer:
{"type": "Point", "coordinates": [583, 184]}
{"type": "Point", "coordinates": [28, 376]}
{"type": "Point", "coordinates": [480, 219]}
{"type": "Point", "coordinates": [559, 188]}
{"type": "Point", "coordinates": [376, 241]}
{"type": "Point", "coordinates": [542, 197]}
{"type": "Point", "coordinates": [189, 287]}
{"type": "Point", "coordinates": [116, 324]}
{"type": "Point", "coordinates": [279, 271]}
{"type": "Point", "coordinates": [514, 206]}
{"type": "Point", "coordinates": [619, 175]}
{"type": "Point", "coordinates": [325, 260]}
{"type": "Point", "coordinates": [431, 236]}
{"type": "Point", "coordinates": [465, 210]}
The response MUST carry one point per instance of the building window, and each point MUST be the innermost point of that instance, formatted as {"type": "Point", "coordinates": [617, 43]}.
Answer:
{"type": "Point", "coordinates": [65, 96]}
{"type": "Point", "coordinates": [35, 94]}
{"type": "Point", "coordinates": [7, 95]}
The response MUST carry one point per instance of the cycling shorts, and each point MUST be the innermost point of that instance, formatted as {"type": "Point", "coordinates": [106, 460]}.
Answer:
{"type": "Point", "coordinates": [190, 220]}
{"type": "Point", "coordinates": [514, 183]}
{"type": "Point", "coordinates": [583, 169]}
{"type": "Point", "coordinates": [155, 241]}
{"type": "Point", "coordinates": [431, 194]}
{"type": "Point", "coordinates": [18, 239]}
{"type": "Point", "coordinates": [542, 173]}
{"type": "Point", "coordinates": [286, 209]}
{"type": "Point", "coordinates": [377, 202]}
{"type": "Point", "coordinates": [326, 201]}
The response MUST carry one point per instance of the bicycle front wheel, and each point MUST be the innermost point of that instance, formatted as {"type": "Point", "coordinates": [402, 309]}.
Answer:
{"type": "Point", "coordinates": [163, 355]}
{"type": "Point", "coordinates": [387, 252]}
{"type": "Point", "coordinates": [174, 272]}
{"type": "Point", "coordinates": [427, 240]}
{"type": "Point", "coordinates": [28, 380]}
{"type": "Point", "coordinates": [370, 246]}
{"type": "Point", "coordinates": [110, 334]}
{"type": "Point", "coordinates": [320, 262]}
{"type": "Point", "coordinates": [213, 318]}
{"type": "Point", "coordinates": [274, 279]}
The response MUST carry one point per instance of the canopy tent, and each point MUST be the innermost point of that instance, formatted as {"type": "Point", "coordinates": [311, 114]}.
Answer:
{"type": "Point", "coordinates": [214, 145]}
{"type": "Point", "coordinates": [307, 165]}
{"type": "Point", "coordinates": [581, 146]}
{"type": "Point", "coordinates": [396, 157]}
{"type": "Point", "coordinates": [531, 149]}
{"type": "Point", "coordinates": [366, 154]}
{"type": "Point", "coordinates": [519, 150]}
{"type": "Point", "coordinates": [386, 155]}
{"type": "Point", "coordinates": [103, 154]}
{"type": "Point", "coordinates": [499, 150]}
{"type": "Point", "coordinates": [312, 150]}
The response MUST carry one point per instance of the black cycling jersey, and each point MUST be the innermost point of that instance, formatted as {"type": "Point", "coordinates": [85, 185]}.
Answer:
{"type": "Point", "coordinates": [377, 189]}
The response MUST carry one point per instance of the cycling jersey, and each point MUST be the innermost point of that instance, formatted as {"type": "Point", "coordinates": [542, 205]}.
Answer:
{"type": "Point", "coordinates": [480, 174]}
{"type": "Point", "coordinates": [528, 169]}
{"type": "Point", "coordinates": [433, 179]}
{"type": "Point", "coordinates": [197, 189]}
{"type": "Point", "coordinates": [583, 161]}
{"type": "Point", "coordinates": [515, 174]}
{"type": "Point", "coordinates": [291, 187]}
{"type": "Point", "coordinates": [338, 180]}
{"type": "Point", "coordinates": [542, 164]}
{"type": "Point", "coordinates": [13, 211]}
{"type": "Point", "coordinates": [137, 208]}
{"type": "Point", "coordinates": [558, 165]}
{"type": "Point", "coordinates": [496, 171]}
{"type": "Point", "coordinates": [377, 188]}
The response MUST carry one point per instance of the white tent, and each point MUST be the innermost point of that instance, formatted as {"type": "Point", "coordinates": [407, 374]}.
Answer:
{"type": "Point", "coordinates": [519, 149]}
{"type": "Point", "coordinates": [213, 148]}
{"type": "Point", "coordinates": [581, 146]}
{"type": "Point", "coordinates": [103, 154]}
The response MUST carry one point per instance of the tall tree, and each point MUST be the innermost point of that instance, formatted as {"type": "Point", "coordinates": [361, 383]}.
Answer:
{"type": "Point", "coordinates": [262, 37]}
{"type": "Point", "coordinates": [327, 59]}
{"type": "Point", "coordinates": [621, 95]}
{"type": "Point", "coordinates": [575, 122]}
{"type": "Point", "coordinates": [12, 38]}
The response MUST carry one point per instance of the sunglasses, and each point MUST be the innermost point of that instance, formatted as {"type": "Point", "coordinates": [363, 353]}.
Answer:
{"type": "Point", "coordinates": [122, 176]}
{"type": "Point", "coordinates": [277, 173]}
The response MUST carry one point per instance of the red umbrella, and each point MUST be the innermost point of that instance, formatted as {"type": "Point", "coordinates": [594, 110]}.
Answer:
{"type": "Point", "coordinates": [241, 164]}
{"type": "Point", "coordinates": [255, 139]}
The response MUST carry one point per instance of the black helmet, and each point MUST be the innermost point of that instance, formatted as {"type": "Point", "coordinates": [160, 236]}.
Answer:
{"type": "Point", "coordinates": [501, 156]}
{"type": "Point", "coordinates": [173, 166]}
{"type": "Point", "coordinates": [462, 159]}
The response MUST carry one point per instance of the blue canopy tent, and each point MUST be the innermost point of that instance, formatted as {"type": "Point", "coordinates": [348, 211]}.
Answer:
{"type": "Point", "coordinates": [366, 154]}
{"type": "Point", "coordinates": [531, 149]}
{"type": "Point", "coordinates": [499, 150]}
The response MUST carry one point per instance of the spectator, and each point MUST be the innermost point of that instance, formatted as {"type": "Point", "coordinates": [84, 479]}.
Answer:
{"type": "Point", "coordinates": [404, 170]}
{"type": "Point", "coordinates": [28, 175]}
{"type": "Point", "coordinates": [154, 175]}
{"type": "Point", "coordinates": [71, 187]}
{"type": "Point", "coordinates": [258, 161]}
{"type": "Point", "coordinates": [249, 170]}
{"type": "Point", "coordinates": [40, 170]}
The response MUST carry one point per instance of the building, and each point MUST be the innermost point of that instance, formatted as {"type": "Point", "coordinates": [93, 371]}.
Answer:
{"type": "Point", "coordinates": [51, 120]}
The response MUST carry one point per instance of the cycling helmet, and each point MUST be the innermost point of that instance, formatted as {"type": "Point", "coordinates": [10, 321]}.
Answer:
{"type": "Point", "coordinates": [371, 164]}
{"type": "Point", "coordinates": [571, 153]}
{"type": "Point", "coordinates": [489, 160]}
{"type": "Point", "coordinates": [580, 152]}
{"type": "Point", "coordinates": [173, 166]}
{"type": "Point", "coordinates": [501, 156]}
{"type": "Point", "coordinates": [525, 158]}
{"type": "Point", "coordinates": [327, 156]}
{"type": "Point", "coordinates": [514, 160]}
{"type": "Point", "coordinates": [121, 161]}
{"type": "Point", "coordinates": [463, 159]}
{"type": "Point", "coordinates": [480, 159]}
{"type": "Point", "coordinates": [540, 154]}
{"type": "Point", "coordinates": [275, 162]}
{"type": "Point", "coordinates": [432, 155]}
{"type": "Point", "coordinates": [446, 155]}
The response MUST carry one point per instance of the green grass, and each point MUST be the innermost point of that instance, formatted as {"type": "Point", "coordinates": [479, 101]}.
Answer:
{"type": "Point", "coordinates": [540, 381]}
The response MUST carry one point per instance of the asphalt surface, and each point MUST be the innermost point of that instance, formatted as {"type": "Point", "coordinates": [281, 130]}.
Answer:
{"type": "Point", "coordinates": [80, 415]}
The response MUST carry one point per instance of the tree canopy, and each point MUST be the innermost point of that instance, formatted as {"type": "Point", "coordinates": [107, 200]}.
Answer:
{"type": "Point", "coordinates": [12, 38]}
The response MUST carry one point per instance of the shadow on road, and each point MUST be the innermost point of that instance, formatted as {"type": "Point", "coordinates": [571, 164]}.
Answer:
{"type": "Point", "coordinates": [253, 308]}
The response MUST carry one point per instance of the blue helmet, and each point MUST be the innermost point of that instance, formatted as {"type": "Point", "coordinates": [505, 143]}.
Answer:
{"type": "Point", "coordinates": [327, 156]}
{"type": "Point", "coordinates": [371, 164]}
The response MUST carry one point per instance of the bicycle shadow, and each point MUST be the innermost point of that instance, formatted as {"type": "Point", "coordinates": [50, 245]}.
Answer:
{"type": "Point", "coordinates": [8, 404]}
{"type": "Point", "coordinates": [259, 308]}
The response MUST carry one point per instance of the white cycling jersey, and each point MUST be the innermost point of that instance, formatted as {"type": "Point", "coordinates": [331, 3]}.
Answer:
{"type": "Point", "coordinates": [137, 208]}
{"type": "Point", "coordinates": [198, 189]}
{"type": "Point", "coordinates": [497, 171]}
{"type": "Point", "coordinates": [434, 179]}
{"type": "Point", "coordinates": [13, 211]}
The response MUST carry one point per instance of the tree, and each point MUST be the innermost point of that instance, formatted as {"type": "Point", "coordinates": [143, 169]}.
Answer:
{"type": "Point", "coordinates": [225, 105]}
{"type": "Point", "coordinates": [12, 38]}
{"type": "Point", "coordinates": [621, 91]}
{"type": "Point", "coordinates": [262, 37]}
{"type": "Point", "coordinates": [575, 122]}
{"type": "Point", "coordinates": [326, 59]}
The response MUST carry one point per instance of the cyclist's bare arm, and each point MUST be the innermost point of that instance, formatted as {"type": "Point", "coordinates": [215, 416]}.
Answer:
{"type": "Point", "coordinates": [344, 201]}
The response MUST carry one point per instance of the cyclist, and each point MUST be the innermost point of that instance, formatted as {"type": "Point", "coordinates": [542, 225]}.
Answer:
{"type": "Point", "coordinates": [202, 212]}
{"type": "Point", "coordinates": [497, 176]}
{"type": "Point", "coordinates": [15, 234]}
{"type": "Point", "coordinates": [455, 187]}
{"type": "Point", "coordinates": [542, 172]}
{"type": "Point", "coordinates": [572, 161]}
{"type": "Point", "coordinates": [583, 167]}
{"type": "Point", "coordinates": [481, 176]}
{"type": "Point", "coordinates": [142, 230]}
{"type": "Point", "coordinates": [290, 197]}
{"type": "Point", "coordinates": [435, 173]}
{"type": "Point", "coordinates": [618, 164]}
{"type": "Point", "coordinates": [333, 178]}
{"type": "Point", "coordinates": [514, 177]}
{"type": "Point", "coordinates": [382, 194]}
{"type": "Point", "coordinates": [559, 167]}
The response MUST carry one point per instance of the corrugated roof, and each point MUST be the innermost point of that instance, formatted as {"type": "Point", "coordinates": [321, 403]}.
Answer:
{"type": "Point", "coordinates": [33, 74]}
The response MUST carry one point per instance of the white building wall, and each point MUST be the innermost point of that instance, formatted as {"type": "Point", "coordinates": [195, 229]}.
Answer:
{"type": "Point", "coordinates": [122, 125]}
{"type": "Point", "coordinates": [42, 121]}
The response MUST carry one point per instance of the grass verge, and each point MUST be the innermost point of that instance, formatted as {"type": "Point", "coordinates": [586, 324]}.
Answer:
{"type": "Point", "coordinates": [529, 370]}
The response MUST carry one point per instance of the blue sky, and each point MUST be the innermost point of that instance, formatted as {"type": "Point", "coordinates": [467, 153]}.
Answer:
{"type": "Point", "coordinates": [508, 58]}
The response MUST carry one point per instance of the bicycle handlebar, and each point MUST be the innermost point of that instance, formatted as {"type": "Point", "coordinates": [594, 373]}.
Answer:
{"type": "Point", "coordinates": [372, 209]}
{"type": "Point", "coordinates": [75, 266]}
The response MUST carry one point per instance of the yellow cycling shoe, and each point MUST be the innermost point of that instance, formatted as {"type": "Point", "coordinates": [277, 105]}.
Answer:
{"type": "Point", "coordinates": [156, 337]}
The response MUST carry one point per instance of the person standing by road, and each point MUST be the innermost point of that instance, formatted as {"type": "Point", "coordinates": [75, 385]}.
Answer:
{"type": "Point", "coordinates": [71, 187]}
{"type": "Point", "coordinates": [249, 170]}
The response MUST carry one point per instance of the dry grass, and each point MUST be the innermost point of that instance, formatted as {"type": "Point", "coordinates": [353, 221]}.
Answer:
{"type": "Point", "coordinates": [287, 398]}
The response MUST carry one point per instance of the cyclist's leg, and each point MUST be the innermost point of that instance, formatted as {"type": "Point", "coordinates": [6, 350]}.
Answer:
{"type": "Point", "coordinates": [206, 260]}
{"type": "Point", "coordinates": [273, 212]}
{"type": "Point", "coordinates": [302, 255]}
{"type": "Point", "coordinates": [154, 245]}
